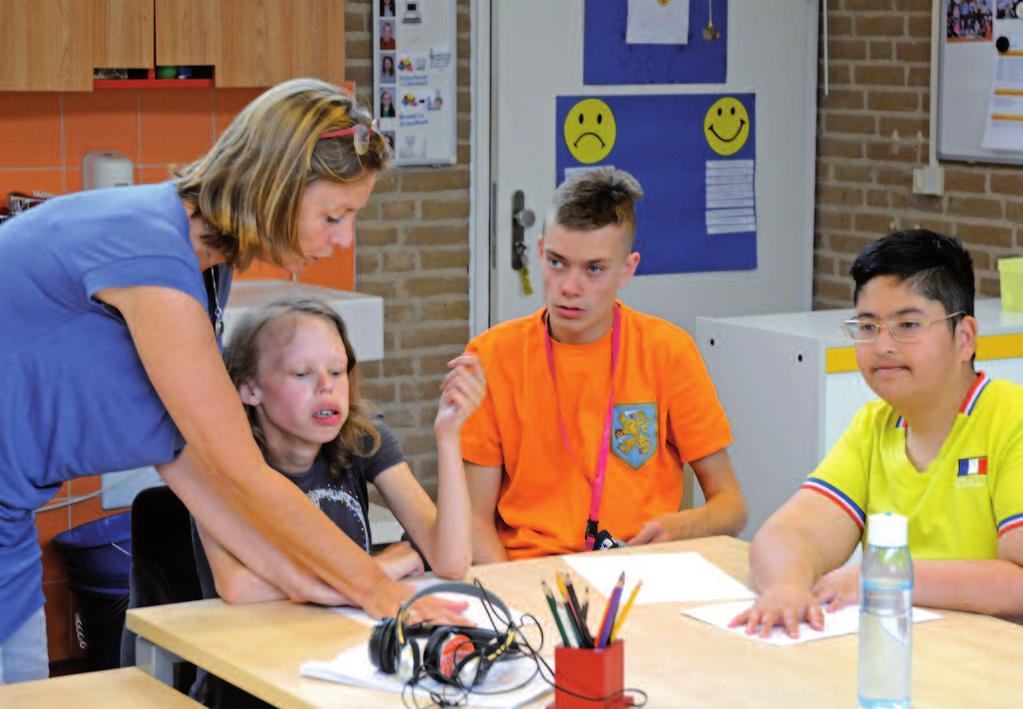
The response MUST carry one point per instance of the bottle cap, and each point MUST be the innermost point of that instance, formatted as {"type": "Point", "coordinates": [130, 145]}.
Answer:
{"type": "Point", "coordinates": [886, 530]}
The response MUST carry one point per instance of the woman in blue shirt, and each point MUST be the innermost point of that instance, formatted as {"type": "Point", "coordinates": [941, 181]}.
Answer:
{"type": "Point", "coordinates": [110, 308]}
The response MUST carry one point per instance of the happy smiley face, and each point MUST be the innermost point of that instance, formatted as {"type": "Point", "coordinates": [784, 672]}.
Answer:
{"type": "Point", "coordinates": [726, 126]}
{"type": "Point", "coordinates": [590, 130]}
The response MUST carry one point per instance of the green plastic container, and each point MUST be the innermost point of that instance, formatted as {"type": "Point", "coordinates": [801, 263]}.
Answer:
{"type": "Point", "coordinates": [1010, 270]}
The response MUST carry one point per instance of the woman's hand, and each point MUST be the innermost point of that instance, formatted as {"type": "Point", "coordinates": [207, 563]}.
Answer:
{"type": "Point", "coordinates": [386, 599]}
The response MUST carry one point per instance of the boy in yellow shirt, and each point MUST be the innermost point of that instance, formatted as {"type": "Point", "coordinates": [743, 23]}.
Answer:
{"type": "Point", "coordinates": [944, 447]}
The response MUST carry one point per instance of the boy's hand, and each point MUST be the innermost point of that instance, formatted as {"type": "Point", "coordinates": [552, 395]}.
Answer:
{"type": "Point", "coordinates": [659, 529]}
{"type": "Point", "coordinates": [782, 605]}
{"type": "Point", "coordinates": [461, 392]}
{"type": "Point", "coordinates": [838, 588]}
{"type": "Point", "coordinates": [400, 560]}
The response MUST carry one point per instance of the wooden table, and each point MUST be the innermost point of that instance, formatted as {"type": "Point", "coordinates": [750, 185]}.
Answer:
{"type": "Point", "coordinates": [961, 660]}
{"type": "Point", "coordinates": [126, 687]}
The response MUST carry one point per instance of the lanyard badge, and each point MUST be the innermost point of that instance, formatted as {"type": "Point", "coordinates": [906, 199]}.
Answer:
{"type": "Point", "coordinates": [597, 489]}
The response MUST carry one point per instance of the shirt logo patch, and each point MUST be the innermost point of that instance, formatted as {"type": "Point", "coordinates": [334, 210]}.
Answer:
{"type": "Point", "coordinates": [972, 466]}
{"type": "Point", "coordinates": [634, 433]}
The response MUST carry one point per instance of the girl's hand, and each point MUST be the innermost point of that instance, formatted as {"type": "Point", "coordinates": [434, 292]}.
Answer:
{"type": "Point", "coordinates": [400, 560]}
{"type": "Point", "coordinates": [461, 392]}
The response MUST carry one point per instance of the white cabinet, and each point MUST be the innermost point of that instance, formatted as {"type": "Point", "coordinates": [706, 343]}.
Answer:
{"type": "Point", "coordinates": [363, 314]}
{"type": "Point", "coordinates": [790, 386]}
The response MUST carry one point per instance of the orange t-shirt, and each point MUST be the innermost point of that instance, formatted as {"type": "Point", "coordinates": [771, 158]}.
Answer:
{"type": "Point", "coordinates": [666, 412]}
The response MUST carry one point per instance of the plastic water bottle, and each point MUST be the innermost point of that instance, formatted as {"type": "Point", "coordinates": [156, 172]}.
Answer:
{"type": "Point", "coordinates": [886, 609]}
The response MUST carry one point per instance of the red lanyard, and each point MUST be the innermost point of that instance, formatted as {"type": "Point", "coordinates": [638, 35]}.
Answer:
{"type": "Point", "coordinates": [605, 443]}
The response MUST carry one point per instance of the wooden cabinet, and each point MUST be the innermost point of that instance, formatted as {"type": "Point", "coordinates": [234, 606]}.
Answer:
{"type": "Point", "coordinates": [54, 45]}
{"type": "Point", "coordinates": [254, 42]}
{"type": "Point", "coordinates": [123, 32]}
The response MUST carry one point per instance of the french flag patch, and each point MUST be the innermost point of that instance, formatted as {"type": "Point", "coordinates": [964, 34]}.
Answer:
{"type": "Point", "coordinates": [972, 466]}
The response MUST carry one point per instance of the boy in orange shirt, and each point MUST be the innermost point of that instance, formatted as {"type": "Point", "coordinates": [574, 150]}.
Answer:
{"type": "Point", "coordinates": [592, 408]}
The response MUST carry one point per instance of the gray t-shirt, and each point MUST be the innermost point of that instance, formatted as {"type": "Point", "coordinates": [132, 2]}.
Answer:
{"type": "Point", "coordinates": [345, 501]}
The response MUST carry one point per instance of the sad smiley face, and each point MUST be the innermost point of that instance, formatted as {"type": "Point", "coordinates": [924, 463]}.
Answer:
{"type": "Point", "coordinates": [590, 130]}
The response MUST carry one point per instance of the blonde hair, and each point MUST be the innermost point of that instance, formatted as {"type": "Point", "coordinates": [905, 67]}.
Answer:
{"type": "Point", "coordinates": [358, 436]}
{"type": "Point", "coordinates": [596, 198]}
{"type": "Point", "coordinates": [249, 186]}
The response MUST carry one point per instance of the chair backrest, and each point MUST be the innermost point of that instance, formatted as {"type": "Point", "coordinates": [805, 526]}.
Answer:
{"type": "Point", "coordinates": [163, 563]}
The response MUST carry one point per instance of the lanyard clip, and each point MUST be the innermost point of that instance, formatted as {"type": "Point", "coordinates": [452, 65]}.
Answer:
{"type": "Point", "coordinates": [591, 532]}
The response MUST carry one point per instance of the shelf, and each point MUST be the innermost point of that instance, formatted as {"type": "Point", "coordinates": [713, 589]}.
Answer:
{"type": "Point", "coordinates": [150, 81]}
{"type": "Point", "coordinates": [152, 84]}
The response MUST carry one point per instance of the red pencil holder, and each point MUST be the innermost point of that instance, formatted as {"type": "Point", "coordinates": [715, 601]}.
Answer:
{"type": "Point", "coordinates": [590, 673]}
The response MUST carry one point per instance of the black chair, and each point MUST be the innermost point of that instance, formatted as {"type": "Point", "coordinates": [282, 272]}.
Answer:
{"type": "Point", "coordinates": [162, 565]}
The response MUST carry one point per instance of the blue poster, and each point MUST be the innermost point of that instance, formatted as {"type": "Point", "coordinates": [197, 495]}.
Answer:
{"type": "Point", "coordinates": [695, 157]}
{"type": "Point", "coordinates": [608, 58]}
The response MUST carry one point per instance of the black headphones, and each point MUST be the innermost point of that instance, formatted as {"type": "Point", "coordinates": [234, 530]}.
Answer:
{"type": "Point", "coordinates": [455, 655]}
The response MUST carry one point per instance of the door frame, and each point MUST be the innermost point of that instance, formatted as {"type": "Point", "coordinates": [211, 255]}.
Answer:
{"type": "Point", "coordinates": [481, 227]}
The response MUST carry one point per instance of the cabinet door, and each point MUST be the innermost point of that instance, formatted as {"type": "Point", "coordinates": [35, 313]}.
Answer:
{"type": "Point", "coordinates": [46, 45]}
{"type": "Point", "coordinates": [123, 34]}
{"type": "Point", "coordinates": [253, 42]}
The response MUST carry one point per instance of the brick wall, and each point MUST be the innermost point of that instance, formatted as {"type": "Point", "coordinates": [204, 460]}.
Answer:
{"type": "Point", "coordinates": [872, 132]}
{"type": "Point", "coordinates": [412, 248]}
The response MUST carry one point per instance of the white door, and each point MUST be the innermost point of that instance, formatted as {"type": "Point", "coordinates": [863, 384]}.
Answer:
{"type": "Point", "coordinates": [537, 55]}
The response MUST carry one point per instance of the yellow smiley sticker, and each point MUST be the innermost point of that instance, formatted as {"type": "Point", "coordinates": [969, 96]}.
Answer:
{"type": "Point", "coordinates": [590, 130]}
{"type": "Point", "coordinates": [726, 126]}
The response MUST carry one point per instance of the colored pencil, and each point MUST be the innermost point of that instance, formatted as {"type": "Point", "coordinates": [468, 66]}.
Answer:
{"type": "Point", "coordinates": [585, 639]}
{"type": "Point", "coordinates": [554, 611]}
{"type": "Point", "coordinates": [625, 611]}
{"type": "Point", "coordinates": [570, 619]}
{"type": "Point", "coordinates": [610, 611]}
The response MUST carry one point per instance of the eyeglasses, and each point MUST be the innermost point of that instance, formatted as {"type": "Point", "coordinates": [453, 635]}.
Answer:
{"type": "Point", "coordinates": [901, 329]}
{"type": "Point", "coordinates": [360, 133]}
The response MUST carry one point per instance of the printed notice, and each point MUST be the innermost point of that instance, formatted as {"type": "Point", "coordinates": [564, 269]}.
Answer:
{"type": "Point", "coordinates": [658, 22]}
{"type": "Point", "coordinates": [731, 199]}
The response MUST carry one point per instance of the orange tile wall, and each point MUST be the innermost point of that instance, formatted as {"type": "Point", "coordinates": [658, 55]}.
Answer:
{"type": "Point", "coordinates": [43, 136]}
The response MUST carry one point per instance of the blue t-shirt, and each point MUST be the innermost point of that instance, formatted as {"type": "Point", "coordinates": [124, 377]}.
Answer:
{"type": "Point", "coordinates": [74, 397]}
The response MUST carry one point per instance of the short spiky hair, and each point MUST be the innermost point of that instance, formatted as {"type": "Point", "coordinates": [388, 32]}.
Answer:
{"type": "Point", "coordinates": [596, 198]}
{"type": "Point", "coordinates": [933, 265]}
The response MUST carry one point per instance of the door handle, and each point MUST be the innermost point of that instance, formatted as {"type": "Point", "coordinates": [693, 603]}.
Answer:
{"type": "Point", "coordinates": [522, 219]}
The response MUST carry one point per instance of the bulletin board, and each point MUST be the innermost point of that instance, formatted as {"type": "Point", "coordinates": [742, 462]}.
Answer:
{"type": "Point", "coordinates": [609, 58]}
{"type": "Point", "coordinates": [415, 79]}
{"type": "Point", "coordinates": [980, 89]}
{"type": "Point", "coordinates": [695, 157]}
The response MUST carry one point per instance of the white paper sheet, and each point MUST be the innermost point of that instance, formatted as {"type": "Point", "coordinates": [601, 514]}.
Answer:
{"type": "Point", "coordinates": [354, 667]}
{"type": "Point", "coordinates": [683, 576]}
{"type": "Point", "coordinates": [657, 22]}
{"type": "Point", "coordinates": [1003, 127]}
{"type": "Point", "coordinates": [842, 622]}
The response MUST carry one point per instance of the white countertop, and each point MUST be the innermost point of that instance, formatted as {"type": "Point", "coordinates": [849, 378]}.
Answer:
{"type": "Point", "coordinates": [826, 324]}
{"type": "Point", "coordinates": [363, 314]}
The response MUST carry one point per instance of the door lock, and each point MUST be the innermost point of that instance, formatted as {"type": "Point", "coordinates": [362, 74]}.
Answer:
{"type": "Point", "coordinates": [522, 219]}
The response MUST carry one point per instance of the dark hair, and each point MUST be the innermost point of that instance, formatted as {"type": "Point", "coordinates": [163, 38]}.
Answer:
{"type": "Point", "coordinates": [597, 198]}
{"type": "Point", "coordinates": [358, 436]}
{"type": "Point", "coordinates": [933, 265]}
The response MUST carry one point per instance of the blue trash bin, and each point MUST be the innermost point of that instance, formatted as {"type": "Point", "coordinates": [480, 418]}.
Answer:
{"type": "Point", "coordinates": [99, 567]}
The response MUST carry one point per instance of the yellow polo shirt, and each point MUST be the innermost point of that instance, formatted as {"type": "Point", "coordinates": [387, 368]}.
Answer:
{"type": "Point", "coordinates": [971, 494]}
